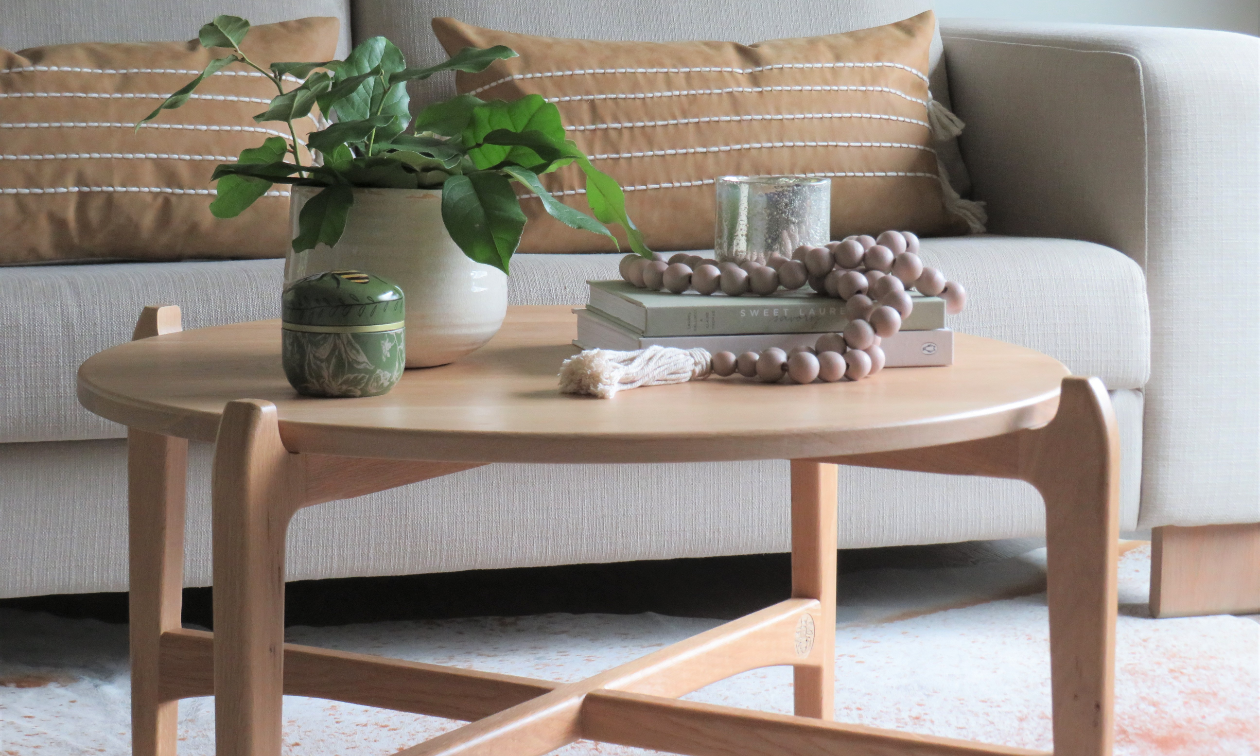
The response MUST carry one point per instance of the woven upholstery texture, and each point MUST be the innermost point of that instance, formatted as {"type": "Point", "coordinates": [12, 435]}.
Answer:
{"type": "Point", "coordinates": [503, 515]}
{"type": "Point", "coordinates": [1146, 140]}
{"type": "Point", "coordinates": [665, 118]}
{"type": "Point", "coordinates": [1086, 284]}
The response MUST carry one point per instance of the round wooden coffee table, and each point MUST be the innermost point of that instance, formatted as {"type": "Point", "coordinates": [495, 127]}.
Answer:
{"type": "Point", "coordinates": [1000, 411]}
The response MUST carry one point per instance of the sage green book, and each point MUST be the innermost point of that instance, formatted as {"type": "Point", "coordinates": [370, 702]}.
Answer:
{"type": "Point", "coordinates": [656, 313]}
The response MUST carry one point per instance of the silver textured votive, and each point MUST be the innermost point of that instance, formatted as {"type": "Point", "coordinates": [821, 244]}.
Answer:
{"type": "Point", "coordinates": [758, 216]}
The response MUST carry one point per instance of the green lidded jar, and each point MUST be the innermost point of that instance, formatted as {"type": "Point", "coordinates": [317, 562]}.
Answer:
{"type": "Point", "coordinates": [343, 334]}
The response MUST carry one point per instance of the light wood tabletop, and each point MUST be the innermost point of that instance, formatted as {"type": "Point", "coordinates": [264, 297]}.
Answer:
{"type": "Point", "coordinates": [501, 403]}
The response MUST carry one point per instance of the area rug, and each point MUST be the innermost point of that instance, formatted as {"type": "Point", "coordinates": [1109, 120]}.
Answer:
{"type": "Point", "coordinates": [960, 652]}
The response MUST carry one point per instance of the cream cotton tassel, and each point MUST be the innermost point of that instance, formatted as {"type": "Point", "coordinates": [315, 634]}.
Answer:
{"type": "Point", "coordinates": [943, 124]}
{"type": "Point", "coordinates": [971, 211]}
{"type": "Point", "coordinates": [603, 372]}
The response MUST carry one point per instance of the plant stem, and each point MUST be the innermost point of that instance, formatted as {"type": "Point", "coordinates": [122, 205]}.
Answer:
{"type": "Point", "coordinates": [379, 108]}
{"type": "Point", "coordinates": [277, 80]}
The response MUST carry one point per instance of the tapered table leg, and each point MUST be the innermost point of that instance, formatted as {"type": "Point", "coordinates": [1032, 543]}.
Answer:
{"type": "Point", "coordinates": [254, 482]}
{"type": "Point", "coordinates": [1076, 468]}
{"type": "Point", "coordinates": [156, 474]}
{"type": "Point", "coordinates": [814, 577]}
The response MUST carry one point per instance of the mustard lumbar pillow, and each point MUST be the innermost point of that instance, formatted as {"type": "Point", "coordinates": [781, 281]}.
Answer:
{"type": "Point", "coordinates": [666, 119]}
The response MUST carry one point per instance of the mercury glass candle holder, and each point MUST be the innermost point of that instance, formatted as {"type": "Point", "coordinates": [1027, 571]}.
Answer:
{"type": "Point", "coordinates": [758, 216]}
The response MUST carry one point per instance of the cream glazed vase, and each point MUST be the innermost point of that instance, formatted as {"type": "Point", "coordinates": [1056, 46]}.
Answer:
{"type": "Point", "coordinates": [454, 305]}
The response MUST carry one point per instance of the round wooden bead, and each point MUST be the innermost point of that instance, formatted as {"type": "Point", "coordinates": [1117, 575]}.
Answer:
{"type": "Point", "coordinates": [818, 284]}
{"type": "Point", "coordinates": [859, 307]}
{"type": "Point", "coordinates": [907, 267]}
{"type": "Point", "coordinates": [893, 240]}
{"type": "Point", "coordinates": [654, 274]}
{"type": "Point", "coordinates": [802, 367]}
{"type": "Point", "coordinates": [831, 366]}
{"type": "Point", "coordinates": [912, 242]}
{"type": "Point", "coordinates": [899, 301]}
{"type": "Point", "coordinates": [819, 261]}
{"type": "Point", "coordinates": [793, 274]}
{"type": "Point", "coordinates": [867, 241]}
{"type": "Point", "coordinates": [726, 265]}
{"type": "Point", "coordinates": [748, 265]}
{"type": "Point", "coordinates": [677, 278]}
{"type": "Point", "coordinates": [776, 260]}
{"type": "Point", "coordinates": [694, 261]}
{"type": "Point", "coordinates": [734, 282]}
{"type": "Point", "coordinates": [848, 253]}
{"type": "Point", "coordinates": [622, 267]}
{"type": "Point", "coordinates": [746, 364]}
{"type": "Point", "coordinates": [799, 252]}
{"type": "Point", "coordinates": [858, 334]}
{"type": "Point", "coordinates": [930, 282]}
{"type": "Point", "coordinates": [660, 256]}
{"type": "Point", "coordinates": [706, 279]}
{"type": "Point", "coordinates": [724, 364]}
{"type": "Point", "coordinates": [801, 348]}
{"type": "Point", "coordinates": [771, 364]}
{"type": "Point", "coordinates": [830, 282]}
{"type": "Point", "coordinates": [859, 364]}
{"type": "Point", "coordinates": [705, 262]}
{"type": "Point", "coordinates": [873, 275]}
{"type": "Point", "coordinates": [885, 320]}
{"type": "Point", "coordinates": [955, 297]}
{"type": "Point", "coordinates": [763, 280]}
{"type": "Point", "coordinates": [878, 257]}
{"type": "Point", "coordinates": [830, 342]}
{"type": "Point", "coordinates": [886, 284]}
{"type": "Point", "coordinates": [850, 283]}
{"type": "Point", "coordinates": [679, 257]}
{"type": "Point", "coordinates": [634, 271]}
{"type": "Point", "coordinates": [878, 359]}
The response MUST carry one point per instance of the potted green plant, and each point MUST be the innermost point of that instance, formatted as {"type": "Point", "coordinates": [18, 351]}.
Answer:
{"type": "Point", "coordinates": [426, 202]}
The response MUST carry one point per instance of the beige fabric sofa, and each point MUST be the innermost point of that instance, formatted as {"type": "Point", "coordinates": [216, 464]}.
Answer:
{"type": "Point", "coordinates": [1121, 167]}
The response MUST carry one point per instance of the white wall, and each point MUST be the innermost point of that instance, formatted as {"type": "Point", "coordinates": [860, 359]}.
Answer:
{"type": "Point", "coordinates": [1229, 15]}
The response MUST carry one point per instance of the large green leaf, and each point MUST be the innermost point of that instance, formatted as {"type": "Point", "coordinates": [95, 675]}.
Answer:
{"type": "Point", "coordinates": [470, 59]}
{"type": "Point", "coordinates": [607, 201]}
{"type": "Point", "coordinates": [381, 172]}
{"type": "Point", "coordinates": [555, 208]}
{"type": "Point", "coordinates": [181, 95]}
{"type": "Point", "coordinates": [447, 118]}
{"type": "Point", "coordinates": [447, 151]}
{"type": "Point", "coordinates": [224, 31]}
{"type": "Point", "coordinates": [339, 159]}
{"type": "Point", "coordinates": [344, 132]}
{"type": "Point", "coordinates": [483, 216]}
{"type": "Point", "coordinates": [296, 103]}
{"type": "Point", "coordinates": [375, 53]}
{"type": "Point", "coordinates": [323, 218]}
{"type": "Point", "coordinates": [302, 70]}
{"type": "Point", "coordinates": [342, 88]}
{"type": "Point", "coordinates": [529, 113]}
{"type": "Point", "coordinates": [543, 150]}
{"type": "Point", "coordinates": [234, 192]}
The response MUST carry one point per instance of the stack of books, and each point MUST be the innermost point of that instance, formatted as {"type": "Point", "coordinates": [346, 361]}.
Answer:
{"type": "Point", "coordinates": [622, 317]}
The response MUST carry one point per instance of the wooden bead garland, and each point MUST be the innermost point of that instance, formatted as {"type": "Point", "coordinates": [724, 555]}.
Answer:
{"type": "Point", "coordinates": [871, 275]}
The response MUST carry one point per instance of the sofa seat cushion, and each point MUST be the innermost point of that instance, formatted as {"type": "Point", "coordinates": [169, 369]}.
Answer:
{"type": "Point", "coordinates": [1081, 303]}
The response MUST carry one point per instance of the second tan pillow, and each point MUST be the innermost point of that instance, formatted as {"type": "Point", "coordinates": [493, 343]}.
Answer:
{"type": "Point", "coordinates": [666, 119]}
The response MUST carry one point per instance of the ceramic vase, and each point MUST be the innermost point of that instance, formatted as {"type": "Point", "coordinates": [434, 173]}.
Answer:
{"type": "Point", "coordinates": [454, 305]}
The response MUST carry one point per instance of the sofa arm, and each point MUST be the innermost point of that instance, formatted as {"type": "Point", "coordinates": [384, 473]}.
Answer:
{"type": "Point", "coordinates": [1146, 140]}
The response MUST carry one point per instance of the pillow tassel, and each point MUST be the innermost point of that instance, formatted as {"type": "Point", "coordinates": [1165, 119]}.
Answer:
{"type": "Point", "coordinates": [604, 372]}
{"type": "Point", "coordinates": [943, 124]}
{"type": "Point", "coordinates": [971, 211]}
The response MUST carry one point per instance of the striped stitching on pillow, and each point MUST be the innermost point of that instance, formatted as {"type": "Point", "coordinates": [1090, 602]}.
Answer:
{"type": "Point", "coordinates": [769, 117]}
{"type": "Point", "coordinates": [120, 71]}
{"type": "Point", "coordinates": [757, 146]}
{"type": "Point", "coordinates": [118, 156]}
{"type": "Point", "coordinates": [736, 90]}
{"type": "Point", "coordinates": [183, 126]}
{"type": "Point", "coordinates": [700, 69]}
{"type": "Point", "coordinates": [133, 96]}
{"type": "Point", "coordinates": [704, 182]}
{"type": "Point", "coordinates": [139, 189]}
